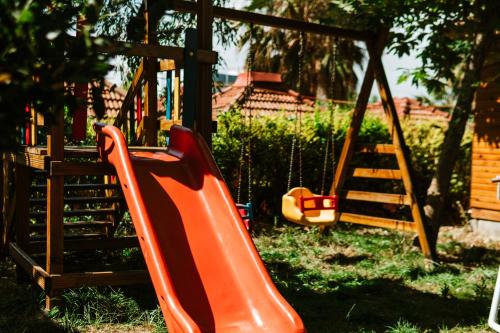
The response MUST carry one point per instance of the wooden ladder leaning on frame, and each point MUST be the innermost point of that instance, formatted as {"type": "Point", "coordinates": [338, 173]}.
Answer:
{"type": "Point", "coordinates": [375, 71]}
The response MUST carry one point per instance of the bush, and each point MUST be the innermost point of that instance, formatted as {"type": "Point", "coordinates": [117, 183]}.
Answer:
{"type": "Point", "coordinates": [271, 139]}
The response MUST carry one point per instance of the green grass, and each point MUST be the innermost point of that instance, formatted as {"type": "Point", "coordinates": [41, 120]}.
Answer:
{"type": "Point", "coordinates": [348, 279]}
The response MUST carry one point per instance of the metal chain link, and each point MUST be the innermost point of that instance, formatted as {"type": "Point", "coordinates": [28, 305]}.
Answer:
{"type": "Point", "coordinates": [333, 109]}
{"type": "Point", "coordinates": [301, 60]}
{"type": "Point", "coordinates": [246, 141]}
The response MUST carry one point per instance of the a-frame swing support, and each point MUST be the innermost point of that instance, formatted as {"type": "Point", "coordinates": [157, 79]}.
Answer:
{"type": "Point", "coordinates": [375, 72]}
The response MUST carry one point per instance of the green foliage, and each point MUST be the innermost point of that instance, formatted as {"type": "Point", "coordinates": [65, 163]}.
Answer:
{"type": "Point", "coordinates": [441, 33]}
{"type": "Point", "coordinates": [271, 139]}
{"type": "Point", "coordinates": [277, 50]}
{"type": "Point", "coordinates": [37, 57]}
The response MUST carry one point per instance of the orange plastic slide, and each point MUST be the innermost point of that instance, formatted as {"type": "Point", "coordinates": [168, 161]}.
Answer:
{"type": "Point", "coordinates": [205, 269]}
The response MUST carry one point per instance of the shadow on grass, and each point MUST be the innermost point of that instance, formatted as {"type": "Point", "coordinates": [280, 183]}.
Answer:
{"type": "Point", "coordinates": [473, 256]}
{"type": "Point", "coordinates": [374, 305]}
{"type": "Point", "coordinates": [19, 310]}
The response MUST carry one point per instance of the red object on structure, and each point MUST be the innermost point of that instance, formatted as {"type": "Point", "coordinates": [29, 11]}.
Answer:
{"type": "Point", "coordinates": [205, 269]}
{"type": "Point", "coordinates": [139, 109]}
{"type": "Point", "coordinates": [319, 202]}
{"type": "Point", "coordinates": [27, 127]}
{"type": "Point", "coordinates": [79, 128]}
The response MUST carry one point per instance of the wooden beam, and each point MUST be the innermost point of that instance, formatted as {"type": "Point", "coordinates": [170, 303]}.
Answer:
{"type": "Point", "coordinates": [155, 51]}
{"type": "Point", "coordinates": [59, 168]}
{"type": "Point", "coordinates": [31, 160]}
{"type": "Point", "coordinates": [397, 199]}
{"type": "Point", "coordinates": [377, 173]}
{"type": "Point", "coordinates": [74, 225]}
{"type": "Point", "coordinates": [275, 22]}
{"type": "Point", "coordinates": [132, 91]}
{"type": "Point", "coordinates": [95, 279]}
{"type": "Point", "coordinates": [377, 222]}
{"type": "Point", "coordinates": [22, 185]}
{"type": "Point", "coordinates": [79, 212]}
{"type": "Point", "coordinates": [402, 153]}
{"type": "Point", "coordinates": [204, 24]}
{"type": "Point", "coordinates": [375, 148]}
{"type": "Point", "coordinates": [89, 245]}
{"type": "Point", "coordinates": [150, 78]}
{"type": "Point", "coordinates": [166, 125]}
{"type": "Point", "coordinates": [168, 65]}
{"type": "Point", "coordinates": [36, 272]}
{"type": "Point", "coordinates": [357, 116]}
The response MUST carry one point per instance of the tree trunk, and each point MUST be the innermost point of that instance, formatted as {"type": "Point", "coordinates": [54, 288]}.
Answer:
{"type": "Point", "coordinates": [438, 190]}
{"type": "Point", "coordinates": [321, 81]}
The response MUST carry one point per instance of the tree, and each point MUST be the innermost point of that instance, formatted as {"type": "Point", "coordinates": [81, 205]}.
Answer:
{"type": "Point", "coordinates": [451, 38]}
{"type": "Point", "coordinates": [277, 50]}
{"type": "Point", "coordinates": [38, 57]}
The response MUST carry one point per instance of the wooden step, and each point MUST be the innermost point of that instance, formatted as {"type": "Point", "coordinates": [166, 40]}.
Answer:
{"type": "Point", "coordinates": [380, 148]}
{"type": "Point", "coordinates": [88, 244]}
{"type": "Point", "coordinates": [76, 200]}
{"type": "Point", "coordinates": [79, 212]}
{"type": "Point", "coordinates": [390, 198]}
{"type": "Point", "coordinates": [80, 187]}
{"type": "Point", "coordinates": [74, 225]}
{"type": "Point", "coordinates": [96, 235]}
{"type": "Point", "coordinates": [378, 222]}
{"type": "Point", "coordinates": [377, 173]}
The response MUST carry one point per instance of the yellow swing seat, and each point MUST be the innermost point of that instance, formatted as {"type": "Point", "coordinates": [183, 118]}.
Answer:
{"type": "Point", "coordinates": [299, 206]}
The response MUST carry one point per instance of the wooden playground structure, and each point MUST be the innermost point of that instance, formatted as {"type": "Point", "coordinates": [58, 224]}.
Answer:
{"type": "Point", "coordinates": [50, 184]}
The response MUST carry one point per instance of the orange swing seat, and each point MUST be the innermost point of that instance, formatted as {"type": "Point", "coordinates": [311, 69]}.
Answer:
{"type": "Point", "coordinates": [301, 206]}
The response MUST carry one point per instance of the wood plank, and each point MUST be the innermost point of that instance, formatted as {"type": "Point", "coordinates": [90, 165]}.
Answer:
{"type": "Point", "coordinates": [204, 25]}
{"type": "Point", "coordinates": [89, 244]}
{"type": "Point", "coordinates": [166, 125]}
{"type": "Point", "coordinates": [482, 156]}
{"type": "Point", "coordinates": [486, 150]}
{"type": "Point", "coordinates": [79, 187]}
{"type": "Point", "coordinates": [484, 186]}
{"type": "Point", "coordinates": [276, 22]}
{"type": "Point", "coordinates": [36, 272]}
{"type": "Point", "coordinates": [485, 214]}
{"type": "Point", "coordinates": [486, 169]}
{"type": "Point", "coordinates": [377, 222]}
{"type": "Point", "coordinates": [168, 65]}
{"type": "Point", "coordinates": [34, 161]}
{"type": "Point", "coordinates": [85, 236]}
{"type": "Point", "coordinates": [475, 203]}
{"type": "Point", "coordinates": [79, 212]}
{"type": "Point", "coordinates": [82, 200]}
{"type": "Point", "coordinates": [484, 193]}
{"type": "Point", "coordinates": [376, 148]}
{"type": "Point", "coordinates": [484, 176]}
{"type": "Point", "coordinates": [132, 91]}
{"type": "Point", "coordinates": [476, 162]}
{"type": "Point", "coordinates": [22, 175]}
{"type": "Point", "coordinates": [155, 51]}
{"type": "Point", "coordinates": [59, 168]}
{"type": "Point", "coordinates": [74, 225]}
{"type": "Point", "coordinates": [397, 199]}
{"type": "Point", "coordinates": [95, 279]}
{"type": "Point", "coordinates": [377, 173]}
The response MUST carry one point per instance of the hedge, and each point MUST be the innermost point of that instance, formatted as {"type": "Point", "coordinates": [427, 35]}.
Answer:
{"type": "Point", "coordinates": [271, 138]}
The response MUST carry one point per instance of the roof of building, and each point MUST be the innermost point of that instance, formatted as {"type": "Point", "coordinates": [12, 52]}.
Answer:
{"type": "Point", "coordinates": [269, 96]}
{"type": "Point", "coordinates": [113, 98]}
{"type": "Point", "coordinates": [262, 94]}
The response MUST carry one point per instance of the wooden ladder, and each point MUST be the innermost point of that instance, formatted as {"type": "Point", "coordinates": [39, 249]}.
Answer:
{"type": "Point", "coordinates": [375, 71]}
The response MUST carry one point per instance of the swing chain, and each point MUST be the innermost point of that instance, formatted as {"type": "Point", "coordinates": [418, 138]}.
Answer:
{"type": "Point", "coordinates": [299, 111]}
{"type": "Point", "coordinates": [246, 142]}
{"type": "Point", "coordinates": [330, 140]}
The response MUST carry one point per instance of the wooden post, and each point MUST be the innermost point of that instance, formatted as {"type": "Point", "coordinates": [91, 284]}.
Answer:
{"type": "Point", "coordinates": [402, 154]}
{"type": "Point", "coordinates": [22, 186]}
{"type": "Point", "coordinates": [151, 81]}
{"type": "Point", "coordinates": [357, 117]}
{"type": "Point", "coordinates": [190, 106]}
{"type": "Point", "coordinates": [7, 204]}
{"type": "Point", "coordinates": [55, 208]}
{"type": "Point", "coordinates": [205, 20]}
{"type": "Point", "coordinates": [177, 94]}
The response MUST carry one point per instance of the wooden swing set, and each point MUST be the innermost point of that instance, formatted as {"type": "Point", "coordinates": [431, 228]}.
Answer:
{"type": "Point", "coordinates": [44, 186]}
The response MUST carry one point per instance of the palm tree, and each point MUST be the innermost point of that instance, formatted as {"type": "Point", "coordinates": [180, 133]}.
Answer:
{"type": "Point", "coordinates": [277, 50]}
